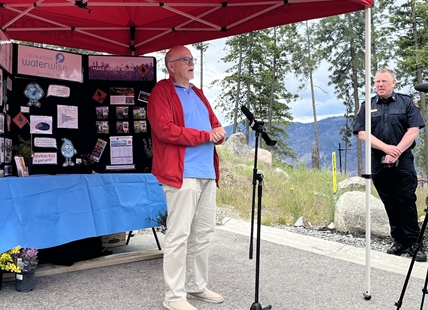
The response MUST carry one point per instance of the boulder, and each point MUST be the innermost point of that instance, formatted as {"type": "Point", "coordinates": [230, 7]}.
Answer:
{"type": "Point", "coordinates": [237, 144]}
{"type": "Point", "coordinates": [350, 214]}
{"type": "Point", "coordinates": [354, 183]}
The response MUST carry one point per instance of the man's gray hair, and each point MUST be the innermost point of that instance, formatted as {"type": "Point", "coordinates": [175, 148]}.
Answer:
{"type": "Point", "coordinates": [386, 70]}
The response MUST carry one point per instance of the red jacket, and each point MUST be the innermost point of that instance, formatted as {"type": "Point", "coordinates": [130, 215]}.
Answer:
{"type": "Point", "coordinates": [170, 136]}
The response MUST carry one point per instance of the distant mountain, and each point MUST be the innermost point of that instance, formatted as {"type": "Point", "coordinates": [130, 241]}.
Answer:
{"type": "Point", "coordinates": [302, 140]}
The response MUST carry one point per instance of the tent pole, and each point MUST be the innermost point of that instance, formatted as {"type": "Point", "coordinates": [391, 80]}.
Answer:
{"type": "Point", "coordinates": [368, 168]}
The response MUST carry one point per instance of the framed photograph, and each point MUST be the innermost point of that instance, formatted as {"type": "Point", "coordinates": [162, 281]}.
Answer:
{"type": "Point", "coordinates": [2, 123]}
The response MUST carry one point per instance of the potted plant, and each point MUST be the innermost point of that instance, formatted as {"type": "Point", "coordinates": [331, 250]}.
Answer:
{"type": "Point", "coordinates": [23, 149]}
{"type": "Point", "coordinates": [7, 262]}
{"type": "Point", "coordinates": [26, 260]}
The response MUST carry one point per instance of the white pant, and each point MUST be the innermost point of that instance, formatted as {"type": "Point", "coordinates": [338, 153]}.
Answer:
{"type": "Point", "coordinates": [190, 225]}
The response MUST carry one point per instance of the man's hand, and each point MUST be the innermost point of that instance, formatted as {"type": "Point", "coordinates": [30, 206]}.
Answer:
{"type": "Point", "coordinates": [392, 151]}
{"type": "Point", "coordinates": [390, 159]}
{"type": "Point", "coordinates": [216, 134]}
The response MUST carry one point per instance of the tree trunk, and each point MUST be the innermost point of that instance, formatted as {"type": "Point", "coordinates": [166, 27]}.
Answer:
{"type": "Point", "coordinates": [238, 88]}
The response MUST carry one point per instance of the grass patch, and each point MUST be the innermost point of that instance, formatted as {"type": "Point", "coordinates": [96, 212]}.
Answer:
{"type": "Point", "coordinates": [288, 192]}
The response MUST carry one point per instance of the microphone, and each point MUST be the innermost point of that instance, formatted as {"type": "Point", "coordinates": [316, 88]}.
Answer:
{"type": "Point", "coordinates": [257, 124]}
{"type": "Point", "coordinates": [422, 87]}
{"type": "Point", "coordinates": [249, 115]}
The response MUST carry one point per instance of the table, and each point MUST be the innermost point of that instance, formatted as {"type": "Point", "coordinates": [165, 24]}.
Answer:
{"type": "Point", "coordinates": [42, 211]}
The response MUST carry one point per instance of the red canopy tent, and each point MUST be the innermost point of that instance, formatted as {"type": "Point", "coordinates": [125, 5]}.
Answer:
{"type": "Point", "coordinates": [136, 27]}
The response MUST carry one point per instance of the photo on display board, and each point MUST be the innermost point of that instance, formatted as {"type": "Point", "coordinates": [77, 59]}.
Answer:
{"type": "Point", "coordinates": [1, 150]}
{"type": "Point", "coordinates": [140, 126]}
{"type": "Point", "coordinates": [143, 96]}
{"type": "Point", "coordinates": [7, 170]}
{"type": "Point", "coordinates": [139, 113]}
{"type": "Point", "coordinates": [8, 122]}
{"type": "Point", "coordinates": [7, 150]}
{"type": "Point", "coordinates": [102, 112]}
{"type": "Point", "coordinates": [2, 124]}
{"type": "Point", "coordinates": [102, 127]}
{"type": "Point", "coordinates": [122, 112]}
{"type": "Point", "coordinates": [121, 95]}
{"type": "Point", "coordinates": [122, 127]}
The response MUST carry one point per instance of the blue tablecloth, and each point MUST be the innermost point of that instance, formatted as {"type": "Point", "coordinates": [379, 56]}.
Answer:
{"type": "Point", "coordinates": [43, 211]}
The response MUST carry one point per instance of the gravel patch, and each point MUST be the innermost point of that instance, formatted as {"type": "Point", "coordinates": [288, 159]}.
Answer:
{"type": "Point", "coordinates": [359, 241]}
{"type": "Point", "coordinates": [376, 243]}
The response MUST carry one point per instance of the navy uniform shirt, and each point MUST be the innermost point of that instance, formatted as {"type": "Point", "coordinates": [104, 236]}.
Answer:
{"type": "Point", "coordinates": [390, 119]}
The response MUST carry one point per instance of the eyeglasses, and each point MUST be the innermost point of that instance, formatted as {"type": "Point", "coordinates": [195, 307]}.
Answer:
{"type": "Point", "coordinates": [186, 60]}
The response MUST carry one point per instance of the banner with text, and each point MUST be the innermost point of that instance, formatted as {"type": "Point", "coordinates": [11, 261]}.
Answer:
{"type": "Point", "coordinates": [49, 64]}
{"type": "Point", "coordinates": [119, 68]}
{"type": "Point", "coordinates": [5, 52]}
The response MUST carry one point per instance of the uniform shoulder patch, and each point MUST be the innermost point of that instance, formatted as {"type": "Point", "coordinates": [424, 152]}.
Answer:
{"type": "Point", "coordinates": [416, 105]}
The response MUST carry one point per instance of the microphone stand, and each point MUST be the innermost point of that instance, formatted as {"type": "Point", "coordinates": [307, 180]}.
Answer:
{"type": "Point", "coordinates": [257, 179]}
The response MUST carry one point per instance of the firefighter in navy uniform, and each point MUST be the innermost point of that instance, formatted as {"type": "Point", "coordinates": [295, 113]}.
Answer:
{"type": "Point", "coordinates": [395, 124]}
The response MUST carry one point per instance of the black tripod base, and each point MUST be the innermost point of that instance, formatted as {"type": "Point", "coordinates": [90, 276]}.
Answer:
{"type": "Point", "coordinates": [257, 306]}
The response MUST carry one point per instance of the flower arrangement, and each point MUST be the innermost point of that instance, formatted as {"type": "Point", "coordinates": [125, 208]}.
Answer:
{"type": "Point", "coordinates": [7, 261]}
{"type": "Point", "coordinates": [26, 259]}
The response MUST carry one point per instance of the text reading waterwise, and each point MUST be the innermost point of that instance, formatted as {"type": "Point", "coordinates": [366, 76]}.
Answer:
{"type": "Point", "coordinates": [41, 64]}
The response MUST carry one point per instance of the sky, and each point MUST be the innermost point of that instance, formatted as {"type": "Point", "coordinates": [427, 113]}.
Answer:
{"type": "Point", "coordinates": [327, 104]}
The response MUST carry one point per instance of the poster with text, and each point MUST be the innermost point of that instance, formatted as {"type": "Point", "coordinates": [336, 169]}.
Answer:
{"type": "Point", "coordinates": [122, 95]}
{"type": "Point", "coordinates": [119, 68]}
{"type": "Point", "coordinates": [52, 64]}
{"type": "Point", "coordinates": [41, 124]}
{"type": "Point", "coordinates": [121, 150]}
{"type": "Point", "coordinates": [5, 52]}
{"type": "Point", "coordinates": [67, 117]}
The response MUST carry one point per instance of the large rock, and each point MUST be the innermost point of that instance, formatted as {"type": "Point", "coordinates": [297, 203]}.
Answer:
{"type": "Point", "coordinates": [354, 183]}
{"type": "Point", "coordinates": [350, 214]}
{"type": "Point", "coordinates": [237, 144]}
{"type": "Point", "coordinates": [263, 157]}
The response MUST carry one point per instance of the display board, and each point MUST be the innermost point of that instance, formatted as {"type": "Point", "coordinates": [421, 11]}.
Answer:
{"type": "Point", "coordinates": [81, 113]}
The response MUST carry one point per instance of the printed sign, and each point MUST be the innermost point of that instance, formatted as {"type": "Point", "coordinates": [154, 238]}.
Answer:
{"type": "Point", "coordinates": [45, 142]}
{"type": "Point", "coordinates": [119, 68]}
{"type": "Point", "coordinates": [46, 63]}
{"type": "Point", "coordinates": [45, 159]}
{"type": "Point", "coordinates": [58, 91]}
{"type": "Point", "coordinates": [5, 52]}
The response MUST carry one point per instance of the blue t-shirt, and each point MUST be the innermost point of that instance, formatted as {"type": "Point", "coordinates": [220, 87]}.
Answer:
{"type": "Point", "coordinates": [198, 160]}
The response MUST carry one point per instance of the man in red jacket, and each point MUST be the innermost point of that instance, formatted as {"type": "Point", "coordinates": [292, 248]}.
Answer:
{"type": "Point", "coordinates": [184, 131]}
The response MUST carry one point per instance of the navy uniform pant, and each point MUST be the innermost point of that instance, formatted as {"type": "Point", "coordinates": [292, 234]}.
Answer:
{"type": "Point", "coordinates": [396, 187]}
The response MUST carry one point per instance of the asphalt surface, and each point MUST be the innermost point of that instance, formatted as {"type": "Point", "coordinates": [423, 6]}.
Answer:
{"type": "Point", "coordinates": [296, 272]}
